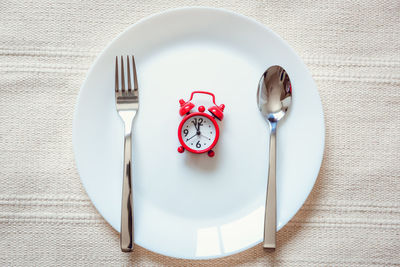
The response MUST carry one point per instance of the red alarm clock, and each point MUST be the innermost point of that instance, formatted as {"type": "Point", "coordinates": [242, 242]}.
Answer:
{"type": "Point", "coordinates": [198, 132]}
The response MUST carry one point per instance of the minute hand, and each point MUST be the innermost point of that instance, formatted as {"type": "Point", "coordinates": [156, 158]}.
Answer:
{"type": "Point", "coordinates": [198, 126]}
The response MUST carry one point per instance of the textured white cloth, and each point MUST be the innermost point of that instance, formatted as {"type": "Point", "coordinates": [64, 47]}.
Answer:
{"type": "Point", "coordinates": [352, 217]}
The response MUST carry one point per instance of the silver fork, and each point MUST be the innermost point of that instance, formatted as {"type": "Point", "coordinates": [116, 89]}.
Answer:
{"type": "Point", "coordinates": [127, 103]}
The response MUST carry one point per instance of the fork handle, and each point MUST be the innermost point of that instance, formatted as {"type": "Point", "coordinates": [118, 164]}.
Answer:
{"type": "Point", "coordinates": [126, 234]}
{"type": "Point", "coordinates": [270, 205]}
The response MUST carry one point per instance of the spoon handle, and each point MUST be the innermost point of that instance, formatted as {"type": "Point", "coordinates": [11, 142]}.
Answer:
{"type": "Point", "coordinates": [270, 205]}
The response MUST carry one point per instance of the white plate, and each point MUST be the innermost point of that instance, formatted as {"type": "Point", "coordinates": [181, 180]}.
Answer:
{"type": "Point", "coordinates": [186, 205]}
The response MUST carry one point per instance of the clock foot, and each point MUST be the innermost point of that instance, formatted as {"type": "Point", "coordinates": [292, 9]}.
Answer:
{"type": "Point", "coordinates": [181, 149]}
{"type": "Point", "coordinates": [211, 153]}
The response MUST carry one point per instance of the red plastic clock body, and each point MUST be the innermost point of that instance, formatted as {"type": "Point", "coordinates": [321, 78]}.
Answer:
{"type": "Point", "coordinates": [187, 117]}
{"type": "Point", "coordinates": [216, 113]}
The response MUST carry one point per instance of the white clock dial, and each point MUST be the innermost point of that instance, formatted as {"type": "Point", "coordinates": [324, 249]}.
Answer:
{"type": "Point", "coordinates": [198, 132]}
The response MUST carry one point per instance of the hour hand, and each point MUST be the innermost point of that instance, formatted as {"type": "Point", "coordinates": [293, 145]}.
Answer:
{"type": "Point", "coordinates": [198, 126]}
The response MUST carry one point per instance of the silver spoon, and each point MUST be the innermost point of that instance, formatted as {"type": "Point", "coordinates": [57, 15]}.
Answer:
{"type": "Point", "coordinates": [274, 96]}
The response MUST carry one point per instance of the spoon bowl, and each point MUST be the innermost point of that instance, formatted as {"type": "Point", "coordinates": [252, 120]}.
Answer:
{"type": "Point", "coordinates": [274, 96]}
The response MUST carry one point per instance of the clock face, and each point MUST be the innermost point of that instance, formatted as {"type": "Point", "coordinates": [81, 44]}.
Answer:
{"type": "Point", "coordinates": [199, 133]}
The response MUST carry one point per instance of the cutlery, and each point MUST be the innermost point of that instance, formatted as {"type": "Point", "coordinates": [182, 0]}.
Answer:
{"type": "Point", "coordinates": [127, 104]}
{"type": "Point", "coordinates": [274, 96]}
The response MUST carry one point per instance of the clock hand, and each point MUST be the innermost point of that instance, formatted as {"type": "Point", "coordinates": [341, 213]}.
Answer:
{"type": "Point", "coordinates": [205, 136]}
{"type": "Point", "coordinates": [198, 127]}
{"type": "Point", "coordinates": [191, 137]}
{"type": "Point", "coordinates": [195, 125]}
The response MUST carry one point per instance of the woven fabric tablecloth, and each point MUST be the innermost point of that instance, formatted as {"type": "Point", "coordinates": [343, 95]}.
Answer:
{"type": "Point", "coordinates": [351, 218]}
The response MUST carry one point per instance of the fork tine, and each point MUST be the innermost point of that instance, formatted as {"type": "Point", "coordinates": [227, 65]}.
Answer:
{"type": "Point", "coordinates": [122, 75]}
{"type": "Point", "coordinates": [116, 74]}
{"type": "Point", "coordinates": [135, 82]}
{"type": "Point", "coordinates": [128, 73]}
